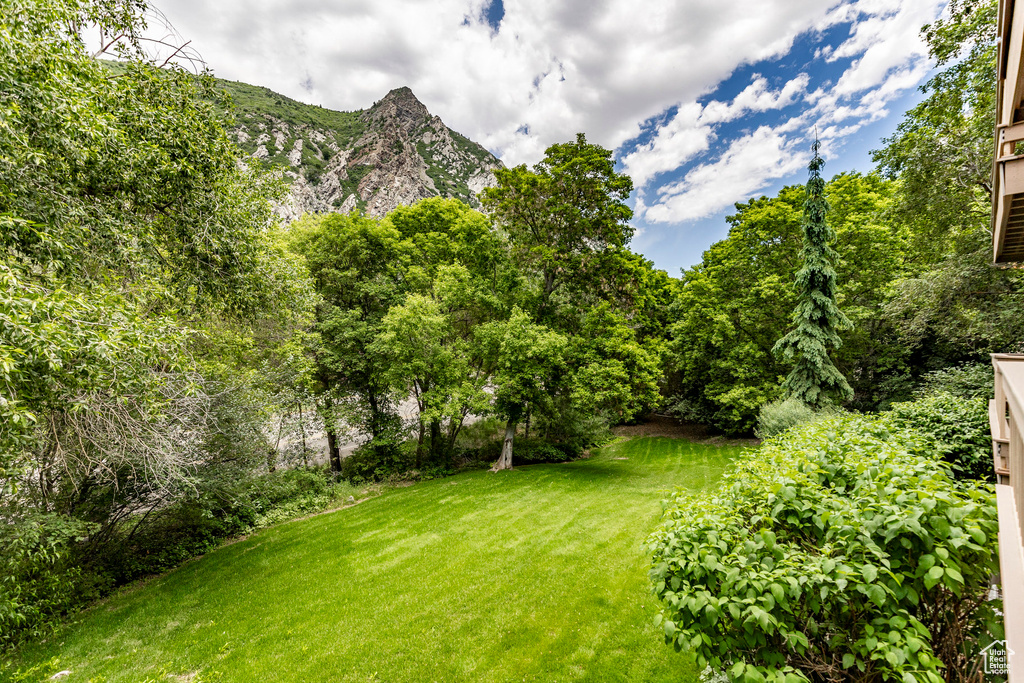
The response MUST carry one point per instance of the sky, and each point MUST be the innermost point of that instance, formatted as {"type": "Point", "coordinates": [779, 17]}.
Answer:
{"type": "Point", "coordinates": [704, 102]}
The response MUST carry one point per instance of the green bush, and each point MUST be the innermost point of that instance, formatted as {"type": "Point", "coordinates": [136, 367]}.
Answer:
{"type": "Point", "coordinates": [778, 416]}
{"type": "Point", "coordinates": [572, 428]}
{"type": "Point", "coordinates": [836, 552]}
{"type": "Point", "coordinates": [953, 427]}
{"type": "Point", "coordinates": [367, 463]}
{"type": "Point", "coordinates": [535, 451]}
{"type": "Point", "coordinates": [967, 380]}
{"type": "Point", "coordinates": [37, 583]}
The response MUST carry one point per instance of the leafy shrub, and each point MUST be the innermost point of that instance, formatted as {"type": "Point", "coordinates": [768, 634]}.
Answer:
{"type": "Point", "coordinates": [778, 416]}
{"type": "Point", "coordinates": [955, 428]}
{"type": "Point", "coordinates": [535, 451]}
{"type": "Point", "coordinates": [48, 574]}
{"type": "Point", "coordinates": [37, 584]}
{"type": "Point", "coordinates": [481, 432]}
{"type": "Point", "coordinates": [367, 463]}
{"type": "Point", "coordinates": [834, 553]}
{"type": "Point", "coordinates": [968, 380]}
{"type": "Point", "coordinates": [572, 427]}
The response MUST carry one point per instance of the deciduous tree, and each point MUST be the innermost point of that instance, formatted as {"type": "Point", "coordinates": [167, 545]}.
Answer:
{"type": "Point", "coordinates": [563, 215]}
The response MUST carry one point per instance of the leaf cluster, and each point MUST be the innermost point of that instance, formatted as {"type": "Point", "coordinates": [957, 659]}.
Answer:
{"type": "Point", "coordinates": [836, 553]}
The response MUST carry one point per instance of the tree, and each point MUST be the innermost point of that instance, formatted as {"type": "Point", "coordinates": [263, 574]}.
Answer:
{"type": "Point", "coordinates": [814, 379]}
{"type": "Point", "coordinates": [525, 357]}
{"type": "Point", "coordinates": [729, 310]}
{"type": "Point", "coordinates": [428, 348]}
{"type": "Point", "coordinates": [357, 264]}
{"type": "Point", "coordinates": [953, 305]}
{"type": "Point", "coordinates": [612, 370]}
{"type": "Point", "coordinates": [567, 226]}
{"type": "Point", "coordinates": [563, 215]}
{"type": "Point", "coordinates": [133, 247]}
{"type": "Point", "coordinates": [942, 150]}
{"type": "Point", "coordinates": [125, 216]}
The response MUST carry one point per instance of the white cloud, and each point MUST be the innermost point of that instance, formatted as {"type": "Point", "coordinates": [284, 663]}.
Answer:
{"type": "Point", "coordinates": [889, 58]}
{"type": "Point", "coordinates": [558, 68]}
{"type": "Point", "coordinates": [605, 68]}
{"type": "Point", "coordinates": [756, 97]}
{"type": "Point", "coordinates": [744, 169]}
{"type": "Point", "coordinates": [692, 128]}
{"type": "Point", "coordinates": [676, 142]}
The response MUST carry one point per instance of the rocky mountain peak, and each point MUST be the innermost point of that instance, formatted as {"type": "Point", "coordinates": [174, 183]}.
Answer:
{"type": "Point", "coordinates": [394, 153]}
{"type": "Point", "coordinates": [402, 106]}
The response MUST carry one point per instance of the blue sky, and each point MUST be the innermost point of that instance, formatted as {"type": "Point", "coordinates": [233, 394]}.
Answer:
{"type": "Point", "coordinates": [676, 244]}
{"type": "Point", "coordinates": [704, 102]}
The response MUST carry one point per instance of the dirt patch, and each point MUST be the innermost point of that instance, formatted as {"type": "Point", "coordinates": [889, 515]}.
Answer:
{"type": "Point", "coordinates": [663, 425]}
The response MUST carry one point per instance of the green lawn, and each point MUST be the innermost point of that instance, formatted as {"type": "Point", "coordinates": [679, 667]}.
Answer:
{"type": "Point", "coordinates": [534, 574]}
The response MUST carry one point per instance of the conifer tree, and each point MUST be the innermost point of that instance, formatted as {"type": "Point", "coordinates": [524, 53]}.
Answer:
{"type": "Point", "coordinates": [814, 379]}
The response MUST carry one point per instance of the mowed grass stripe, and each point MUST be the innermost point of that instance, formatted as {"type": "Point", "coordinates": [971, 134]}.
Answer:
{"type": "Point", "coordinates": [534, 574]}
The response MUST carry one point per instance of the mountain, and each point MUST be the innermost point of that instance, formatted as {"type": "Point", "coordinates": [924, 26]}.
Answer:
{"type": "Point", "coordinates": [396, 152]}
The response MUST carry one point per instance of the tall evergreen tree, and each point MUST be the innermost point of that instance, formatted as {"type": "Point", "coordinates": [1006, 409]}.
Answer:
{"type": "Point", "coordinates": [814, 379]}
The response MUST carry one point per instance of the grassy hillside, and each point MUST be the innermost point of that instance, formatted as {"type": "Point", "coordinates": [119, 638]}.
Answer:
{"type": "Point", "coordinates": [252, 103]}
{"type": "Point", "coordinates": [257, 99]}
{"type": "Point", "coordinates": [534, 574]}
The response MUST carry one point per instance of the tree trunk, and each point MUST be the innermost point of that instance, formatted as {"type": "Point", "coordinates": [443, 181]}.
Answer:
{"type": "Point", "coordinates": [419, 421]}
{"type": "Point", "coordinates": [454, 427]}
{"type": "Point", "coordinates": [302, 428]}
{"type": "Point", "coordinates": [436, 442]}
{"type": "Point", "coordinates": [419, 444]}
{"type": "Point", "coordinates": [276, 450]}
{"type": "Point", "coordinates": [375, 417]}
{"type": "Point", "coordinates": [505, 459]}
{"type": "Point", "coordinates": [332, 450]}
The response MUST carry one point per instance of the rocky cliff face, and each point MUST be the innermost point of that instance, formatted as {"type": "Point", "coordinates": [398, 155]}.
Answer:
{"type": "Point", "coordinates": [394, 153]}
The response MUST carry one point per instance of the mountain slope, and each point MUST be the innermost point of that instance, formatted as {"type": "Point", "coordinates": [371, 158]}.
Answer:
{"type": "Point", "coordinates": [394, 153]}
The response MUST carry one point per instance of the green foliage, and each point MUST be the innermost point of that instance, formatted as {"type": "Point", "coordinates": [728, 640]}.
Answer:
{"type": "Point", "coordinates": [953, 305]}
{"type": "Point", "coordinates": [615, 372]}
{"type": "Point", "coordinates": [534, 451]}
{"type": "Point", "coordinates": [564, 214]}
{"type": "Point", "coordinates": [834, 551]}
{"type": "Point", "coordinates": [955, 427]}
{"type": "Point", "coordinates": [132, 245]}
{"type": "Point", "coordinates": [778, 416]}
{"type": "Point", "coordinates": [526, 358]}
{"type": "Point", "coordinates": [36, 580]}
{"type": "Point", "coordinates": [961, 307]}
{"type": "Point", "coordinates": [731, 309]}
{"type": "Point", "coordinates": [368, 464]}
{"type": "Point", "coordinates": [814, 379]}
{"type": "Point", "coordinates": [942, 150]}
{"type": "Point", "coordinates": [429, 348]}
{"type": "Point", "coordinates": [967, 380]}
{"type": "Point", "coordinates": [357, 266]}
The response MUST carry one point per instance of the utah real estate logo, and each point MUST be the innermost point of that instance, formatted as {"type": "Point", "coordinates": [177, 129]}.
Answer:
{"type": "Point", "coordinates": [995, 657]}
